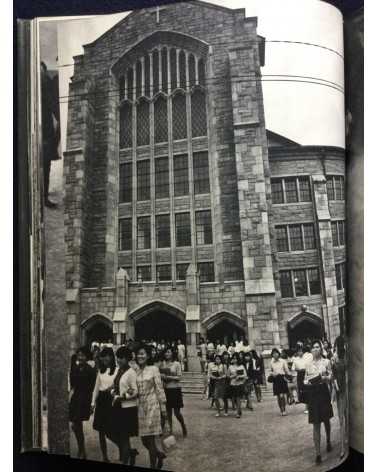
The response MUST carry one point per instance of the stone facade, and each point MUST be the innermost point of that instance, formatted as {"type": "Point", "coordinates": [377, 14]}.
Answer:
{"type": "Point", "coordinates": [102, 281]}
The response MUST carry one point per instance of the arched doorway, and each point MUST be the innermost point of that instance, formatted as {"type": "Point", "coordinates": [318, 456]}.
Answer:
{"type": "Point", "coordinates": [304, 326]}
{"type": "Point", "coordinates": [159, 321]}
{"type": "Point", "coordinates": [225, 327]}
{"type": "Point", "coordinates": [96, 328]}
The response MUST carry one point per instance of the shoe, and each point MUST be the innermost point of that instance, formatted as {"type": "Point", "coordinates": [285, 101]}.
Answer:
{"type": "Point", "coordinates": [329, 447]}
{"type": "Point", "coordinates": [184, 431]}
{"type": "Point", "coordinates": [50, 204]}
{"type": "Point", "coordinates": [238, 416]}
{"type": "Point", "coordinates": [284, 413]}
{"type": "Point", "coordinates": [225, 414]}
{"type": "Point", "coordinates": [318, 459]}
{"type": "Point", "coordinates": [217, 415]}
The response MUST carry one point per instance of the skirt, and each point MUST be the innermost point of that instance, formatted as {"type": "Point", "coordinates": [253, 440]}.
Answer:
{"type": "Point", "coordinates": [124, 422]}
{"type": "Point", "coordinates": [219, 389]}
{"type": "Point", "coordinates": [174, 397]}
{"type": "Point", "coordinates": [79, 407]}
{"type": "Point", "coordinates": [302, 394]}
{"type": "Point", "coordinates": [319, 404]}
{"type": "Point", "coordinates": [237, 391]}
{"type": "Point", "coordinates": [279, 385]}
{"type": "Point", "coordinates": [103, 412]}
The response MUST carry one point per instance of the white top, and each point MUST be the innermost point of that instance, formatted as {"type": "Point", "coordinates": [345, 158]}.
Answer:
{"type": "Point", "coordinates": [300, 363]}
{"type": "Point", "coordinates": [128, 388]}
{"type": "Point", "coordinates": [175, 371]}
{"type": "Point", "coordinates": [221, 348]}
{"type": "Point", "coordinates": [239, 346]}
{"type": "Point", "coordinates": [210, 346]}
{"type": "Point", "coordinates": [104, 381]}
{"type": "Point", "coordinates": [279, 367]}
{"type": "Point", "coordinates": [237, 374]}
{"type": "Point", "coordinates": [308, 356]}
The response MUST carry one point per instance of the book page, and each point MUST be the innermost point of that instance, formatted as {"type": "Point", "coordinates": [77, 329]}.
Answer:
{"type": "Point", "coordinates": [204, 224]}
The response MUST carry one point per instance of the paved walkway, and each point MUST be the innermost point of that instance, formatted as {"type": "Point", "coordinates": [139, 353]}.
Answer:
{"type": "Point", "coordinates": [262, 441]}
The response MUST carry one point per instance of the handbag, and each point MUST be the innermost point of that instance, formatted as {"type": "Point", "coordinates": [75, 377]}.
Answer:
{"type": "Point", "coordinates": [270, 378]}
{"type": "Point", "coordinates": [168, 440]}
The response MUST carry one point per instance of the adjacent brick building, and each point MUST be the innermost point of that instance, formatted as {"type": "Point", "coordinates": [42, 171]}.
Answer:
{"type": "Point", "coordinates": [183, 214]}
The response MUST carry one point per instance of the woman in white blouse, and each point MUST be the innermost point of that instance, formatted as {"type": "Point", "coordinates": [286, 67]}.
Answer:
{"type": "Point", "coordinates": [102, 399]}
{"type": "Point", "coordinates": [278, 371]}
{"type": "Point", "coordinates": [317, 378]}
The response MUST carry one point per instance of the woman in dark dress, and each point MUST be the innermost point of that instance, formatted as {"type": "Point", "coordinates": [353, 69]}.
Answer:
{"type": "Point", "coordinates": [257, 373]}
{"type": "Point", "coordinates": [317, 378]}
{"type": "Point", "coordinates": [101, 398]}
{"type": "Point", "coordinates": [82, 382]}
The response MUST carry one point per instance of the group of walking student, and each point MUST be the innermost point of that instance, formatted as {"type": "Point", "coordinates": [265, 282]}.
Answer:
{"type": "Point", "coordinates": [317, 373]}
{"type": "Point", "coordinates": [130, 394]}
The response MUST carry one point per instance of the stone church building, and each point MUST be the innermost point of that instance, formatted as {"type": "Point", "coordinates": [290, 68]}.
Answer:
{"type": "Point", "coordinates": [184, 216]}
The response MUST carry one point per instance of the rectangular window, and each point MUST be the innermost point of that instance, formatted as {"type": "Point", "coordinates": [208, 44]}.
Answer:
{"type": "Point", "coordinates": [339, 187]}
{"type": "Point", "coordinates": [204, 232]}
{"type": "Point", "coordinates": [163, 272]}
{"type": "Point", "coordinates": [163, 231]}
{"type": "Point", "coordinates": [291, 190]}
{"type": "Point", "coordinates": [206, 271]}
{"type": "Point", "coordinates": [330, 189]}
{"type": "Point", "coordinates": [129, 271]}
{"type": "Point", "coordinates": [296, 242]}
{"type": "Point", "coordinates": [125, 234]}
{"type": "Point", "coordinates": [314, 281]}
{"type": "Point", "coordinates": [340, 276]}
{"type": "Point", "coordinates": [181, 271]}
{"type": "Point", "coordinates": [335, 238]}
{"type": "Point", "coordinates": [309, 236]}
{"type": "Point", "coordinates": [277, 191]}
{"type": "Point", "coordinates": [183, 231]}
{"type": "Point", "coordinates": [304, 189]}
{"type": "Point", "coordinates": [201, 172]}
{"type": "Point", "coordinates": [143, 180]}
{"type": "Point", "coordinates": [161, 177]}
{"type": "Point", "coordinates": [144, 232]}
{"type": "Point", "coordinates": [181, 175]}
{"type": "Point", "coordinates": [286, 284]}
{"type": "Point", "coordinates": [126, 182]}
{"type": "Point", "coordinates": [144, 273]}
{"type": "Point", "coordinates": [300, 283]}
{"type": "Point", "coordinates": [341, 227]}
{"type": "Point", "coordinates": [281, 237]}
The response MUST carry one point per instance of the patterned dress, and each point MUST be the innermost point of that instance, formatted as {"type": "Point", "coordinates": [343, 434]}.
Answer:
{"type": "Point", "coordinates": [151, 401]}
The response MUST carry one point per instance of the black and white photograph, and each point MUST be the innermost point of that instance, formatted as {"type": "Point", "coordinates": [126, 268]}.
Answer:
{"type": "Point", "coordinates": [194, 196]}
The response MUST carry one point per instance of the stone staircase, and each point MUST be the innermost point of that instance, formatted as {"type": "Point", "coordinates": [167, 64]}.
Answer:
{"type": "Point", "coordinates": [192, 383]}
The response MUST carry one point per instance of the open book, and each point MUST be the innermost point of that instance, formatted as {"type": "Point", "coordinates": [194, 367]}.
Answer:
{"type": "Point", "coordinates": [187, 180]}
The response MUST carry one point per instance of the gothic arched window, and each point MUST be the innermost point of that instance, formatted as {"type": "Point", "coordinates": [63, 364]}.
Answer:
{"type": "Point", "coordinates": [192, 70]}
{"type": "Point", "coordinates": [143, 123]}
{"type": "Point", "coordinates": [164, 70]}
{"type": "Point", "coordinates": [198, 112]}
{"type": "Point", "coordinates": [125, 125]}
{"type": "Point", "coordinates": [138, 79]}
{"type": "Point", "coordinates": [130, 84]}
{"type": "Point", "coordinates": [182, 69]}
{"type": "Point", "coordinates": [160, 120]}
{"type": "Point", "coordinates": [179, 116]}
{"type": "Point", "coordinates": [147, 75]}
{"type": "Point", "coordinates": [173, 64]}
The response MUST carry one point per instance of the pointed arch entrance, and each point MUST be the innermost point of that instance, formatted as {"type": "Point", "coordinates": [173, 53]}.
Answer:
{"type": "Point", "coordinates": [225, 326]}
{"type": "Point", "coordinates": [97, 327]}
{"type": "Point", "coordinates": [304, 325]}
{"type": "Point", "coordinates": [159, 320]}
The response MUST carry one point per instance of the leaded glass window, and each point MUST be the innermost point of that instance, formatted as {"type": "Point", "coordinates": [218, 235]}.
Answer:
{"type": "Point", "coordinates": [179, 116]}
{"type": "Point", "coordinates": [198, 109]}
{"type": "Point", "coordinates": [183, 230]}
{"type": "Point", "coordinates": [161, 177]}
{"type": "Point", "coordinates": [201, 172]}
{"type": "Point", "coordinates": [181, 270]}
{"type": "Point", "coordinates": [296, 242]}
{"type": "Point", "coordinates": [130, 84]}
{"type": "Point", "coordinates": [125, 125]}
{"type": "Point", "coordinates": [164, 70]}
{"type": "Point", "coordinates": [304, 189]}
{"type": "Point", "coordinates": [144, 232]}
{"type": "Point", "coordinates": [125, 234]}
{"type": "Point", "coordinates": [125, 182]}
{"type": "Point", "coordinates": [173, 64]}
{"type": "Point", "coordinates": [163, 272]}
{"type": "Point", "coordinates": [206, 271]}
{"type": "Point", "coordinates": [160, 120]}
{"type": "Point", "coordinates": [286, 284]}
{"type": "Point", "coordinates": [277, 191]}
{"type": "Point", "coordinates": [138, 79]}
{"type": "Point", "coordinates": [182, 69]}
{"type": "Point", "coordinates": [181, 175]}
{"type": "Point", "coordinates": [155, 69]}
{"type": "Point", "coordinates": [163, 231]}
{"type": "Point", "coordinates": [314, 281]}
{"type": "Point", "coordinates": [204, 232]}
{"type": "Point", "coordinates": [300, 282]}
{"type": "Point", "coordinates": [144, 273]}
{"type": "Point", "coordinates": [291, 190]}
{"type": "Point", "coordinates": [192, 70]}
{"type": "Point", "coordinates": [143, 180]}
{"type": "Point", "coordinates": [281, 238]}
{"type": "Point", "coordinates": [309, 236]}
{"type": "Point", "coordinates": [143, 123]}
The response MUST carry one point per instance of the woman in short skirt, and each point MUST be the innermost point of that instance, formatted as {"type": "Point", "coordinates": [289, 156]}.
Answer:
{"type": "Point", "coordinates": [124, 415]}
{"type": "Point", "coordinates": [82, 382]}
{"type": "Point", "coordinates": [102, 399]}
{"type": "Point", "coordinates": [217, 373]}
{"type": "Point", "coordinates": [317, 378]}
{"type": "Point", "coordinates": [278, 371]}
{"type": "Point", "coordinates": [226, 360]}
{"type": "Point", "coordinates": [171, 374]}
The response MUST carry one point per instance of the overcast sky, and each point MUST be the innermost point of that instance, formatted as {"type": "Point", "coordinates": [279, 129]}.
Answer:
{"type": "Point", "coordinates": [306, 113]}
